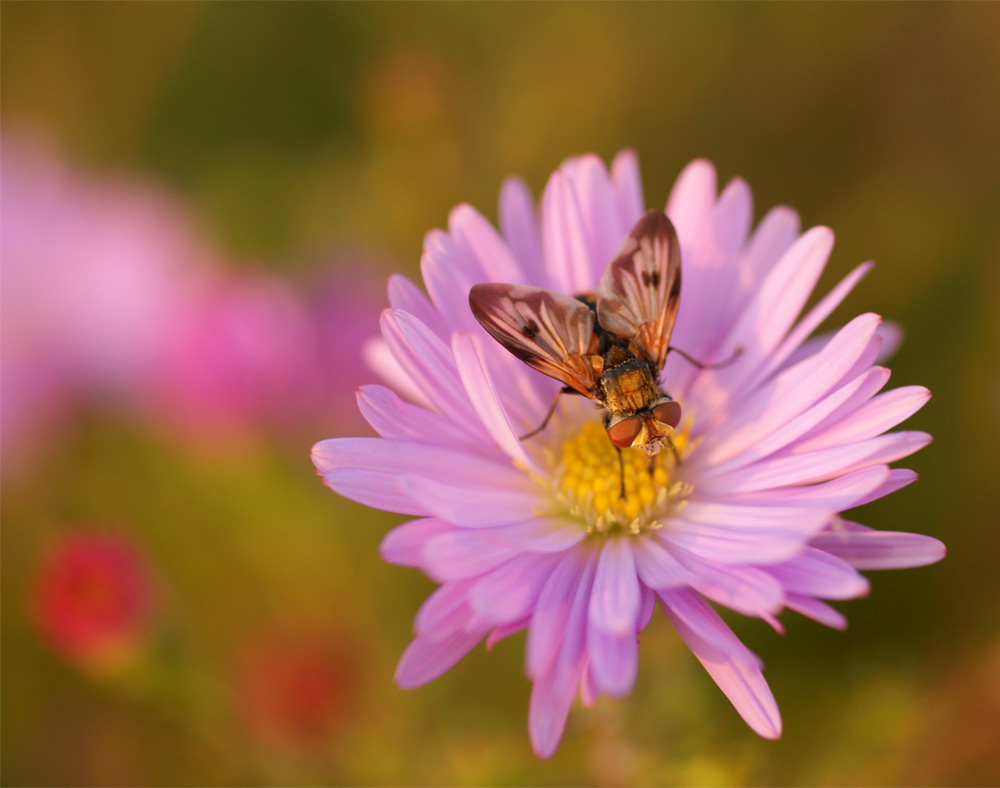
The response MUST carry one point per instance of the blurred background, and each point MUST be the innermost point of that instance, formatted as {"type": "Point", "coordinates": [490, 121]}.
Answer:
{"type": "Point", "coordinates": [184, 603]}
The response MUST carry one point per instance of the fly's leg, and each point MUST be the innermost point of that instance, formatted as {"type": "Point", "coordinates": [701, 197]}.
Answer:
{"type": "Point", "coordinates": [719, 365]}
{"type": "Point", "coordinates": [673, 449]}
{"type": "Point", "coordinates": [552, 409]}
{"type": "Point", "coordinates": [621, 473]}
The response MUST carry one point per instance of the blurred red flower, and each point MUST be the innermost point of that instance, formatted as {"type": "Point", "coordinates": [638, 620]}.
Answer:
{"type": "Point", "coordinates": [94, 600]}
{"type": "Point", "coordinates": [293, 692]}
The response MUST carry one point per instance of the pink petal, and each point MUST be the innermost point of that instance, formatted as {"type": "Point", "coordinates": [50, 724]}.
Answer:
{"type": "Point", "coordinates": [541, 535]}
{"type": "Point", "coordinates": [509, 592]}
{"type": "Point", "coordinates": [484, 397]}
{"type": "Point", "coordinates": [897, 480]}
{"type": "Point", "coordinates": [817, 466]}
{"type": "Point", "coordinates": [838, 494]}
{"type": "Point", "coordinates": [628, 186]}
{"type": "Point", "coordinates": [657, 567]}
{"type": "Point", "coordinates": [614, 660]}
{"type": "Point", "coordinates": [767, 318]}
{"type": "Point", "coordinates": [735, 670]}
{"type": "Point", "coordinates": [819, 574]}
{"type": "Point", "coordinates": [470, 505]}
{"type": "Point", "coordinates": [614, 601]}
{"type": "Point", "coordinates": [404, 543]}
{"type": "Point", "coordinates": [405, 295]}
{"type": "Point", "coordinates": [379, 359]}
{"type": "Point", "coordinates": [519, 225]}
{"type": "Point", "coordinates": [691, 202]}
{"type": "Point", "coordinates": [474, 235]}
{"type": "Point", "coordinates": [712, 279]}
{"type": "Point", "coordinates": [745, 589]}
{"type": "Point", "coordinates": [449, 273]}
{"type": "Point", "coordinates": [429, 363]}
{"type": "Point", "coordinates": [464, 553]}
{"type": "Point", "coordinates": [392, 417]}
{"type": "Point", "coordinates": [873, 418]}
{"type": "Point", "coordinates": [812, 319]}
{"type": "Point", "coordinates": [864, 548]}
{"type": "Point", "coordinates": [740, 534]}
{"type": "Point", "coordinates": [599, 209]}
{"type": "Point", "coordinates": [787, 395]}
{"type": "Point", "coordinates": [568, 256]}
{"type": "Point", "coordinates": [444, 612]}
{"type": "Point", "coordinates": [774, 236]}
{"type": "Point", "coordinates": [551, 697]}
{"type": "Point", "coordinates": [426, 659]}
{"type": "Point", "coordinates": [690, 609]}
{"type": "Point", "coordinates": [552, 611]}
{"type": "Point", "coordinates": [816, 610]}
{"type": "Point", "coordinates": [807, 421]}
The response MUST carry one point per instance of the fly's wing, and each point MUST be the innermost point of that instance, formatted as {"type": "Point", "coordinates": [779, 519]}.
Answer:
{"type": "Point", "coordinates": [550, 331]}
{"type": "Point", "coordinates": [640, 291]}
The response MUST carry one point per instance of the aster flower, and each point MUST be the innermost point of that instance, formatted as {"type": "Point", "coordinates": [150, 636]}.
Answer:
{"type": "Point", "coordinates": [94, 599]}
{"type": "Point", "coordinates": [533, 534]}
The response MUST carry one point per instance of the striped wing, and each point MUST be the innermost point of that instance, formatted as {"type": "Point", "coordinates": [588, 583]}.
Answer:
{"type": "Point", "coordinates": [550, 331]}
{"type": "Point", "coordinates": [640, 291]}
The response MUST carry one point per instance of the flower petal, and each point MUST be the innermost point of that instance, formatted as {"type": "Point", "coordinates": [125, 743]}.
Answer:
{"type": "Point", "coordinates": [483, 394]}
{"type": "Point", "coordinates": [819, 574]}
{"type": "Point", "coordinates": [426, 659]}
{"type": "Point", "coordinates": [474, 235]}
{"type": "Point", "coordinates": [550, 618]}
{"type": "Point", "coordinates": [429, 363]}
{"type": "Point", "coordinates": [787, 395]}
{"type": "Point", "coordinates": [470, 505]}
{"type": "Point", "coordinates": [392, 417]}
{"type": "Point", "coordinates": [879, 414]}
{"type": "Point", "coordinates": [464, 553]}
{"type": "Point", "coordinates": [733, 534]}
{"type": "Point", "coordinates": [614, 601]}
{"type": "Point", "coordinates": [519, 226]}
{"type": "Point", "coordinates": [404, 543]}
{"type": "Point", "coordinates": [816, 610]}
{"type": "Point", "coordinates": [509, 592]}
{"type": "Point", "coordinates": [614, 660]}
{"type": "Point", "coordinates": [864, 548]}
{"type": "Point", "coordinates": [628, 185]}
{"type": "Point", "coordinates": [405, 295]}
{"type": "Point", "coordinates": [817, 466]}
{"type": "Point", "coordinates": [735, 670]}
{"type": "Point", "coordinates": [568, 254]}
{"type": "Point", "coordinates": [836, 495]}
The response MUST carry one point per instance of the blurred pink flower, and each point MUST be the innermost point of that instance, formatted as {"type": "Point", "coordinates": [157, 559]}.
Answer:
{"type": "Point", "coordinates": [346, 305]}
{"type": "Point", "coordinates": [94, 599]}
{"type": "Point", "coordinates": [294, 691]}
{"type": "Point", "coordinates": [93, 270]}
{"type": "Point", "coordinates": [242, 354]}
{"type": "Point", "coordinates": [532, 534]}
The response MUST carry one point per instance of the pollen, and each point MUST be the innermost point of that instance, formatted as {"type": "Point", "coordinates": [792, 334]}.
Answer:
{"type": "Point", "coordinates": [588, 482]}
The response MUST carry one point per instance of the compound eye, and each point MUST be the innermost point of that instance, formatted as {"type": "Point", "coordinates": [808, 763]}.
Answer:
{"type": "Point", "coordinates": [668, 413]}
{"type": "Point", "coordinates": [625, 432]}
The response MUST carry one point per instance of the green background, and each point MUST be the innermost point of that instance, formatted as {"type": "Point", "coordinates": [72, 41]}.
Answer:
{"type": "Point", "coordinates": [294, 129]}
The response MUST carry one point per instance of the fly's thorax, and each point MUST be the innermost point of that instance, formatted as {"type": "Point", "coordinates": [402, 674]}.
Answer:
{"type": "Point", "coordinates": [629, 385]}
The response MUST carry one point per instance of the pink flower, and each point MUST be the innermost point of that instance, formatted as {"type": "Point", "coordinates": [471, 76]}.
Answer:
{"type": "Point", "coordinates": [532, 534]}
{"type": "Point", "coordinates": [92, 272]}
{"type": "Point", "coordinates": [93, 599]}
{"type": "Point", "coordinates": [242, 354]}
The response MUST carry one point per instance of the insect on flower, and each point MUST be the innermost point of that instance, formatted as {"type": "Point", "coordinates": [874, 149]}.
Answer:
{"type": "Point", "coordinates": [610, 345]}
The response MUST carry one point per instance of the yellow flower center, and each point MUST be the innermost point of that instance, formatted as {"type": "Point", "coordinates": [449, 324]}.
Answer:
{"type": "Point", "coordinates": [588, 483]}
